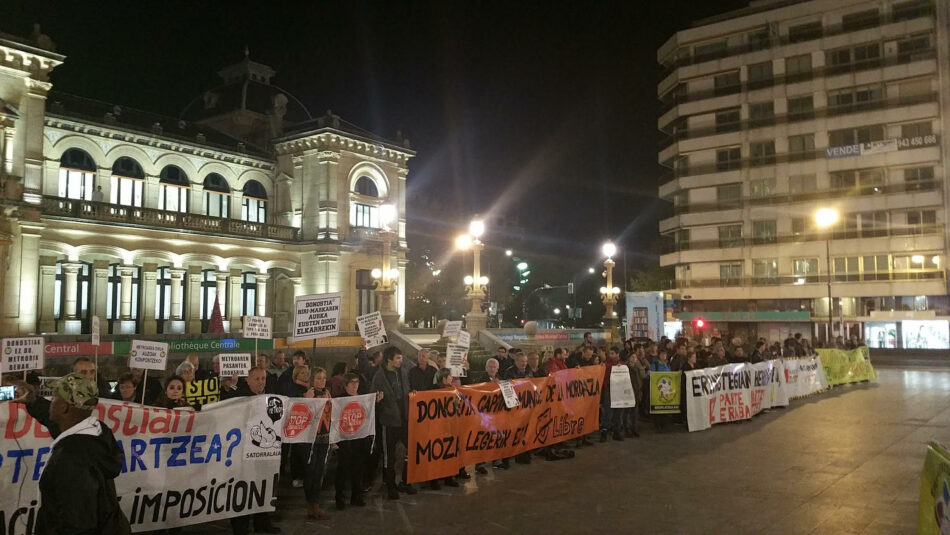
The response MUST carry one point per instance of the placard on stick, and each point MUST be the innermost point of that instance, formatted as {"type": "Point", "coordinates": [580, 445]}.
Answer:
{"type": "Point", "coordinates": [508, 392]}
{"type": "Point", "coordinates": [464, 339]}
{"type": "Point", "coordinates": [454, 359]}
{"type": "Point", "coordinates": [258, 327]}
{"type": "Point", "coordinates": [317, 316]}
{"type": "Point", "coordinates": [148, 355]}
{"type": "Point", "coordinates": [372, 329]}
{"type": "Point", "coordinates": [22, 354]}
{"type": "Point", "coordinates": [452, 328]}
{"type": "Point", "coordinates": [234, 364]}
{"type": "Point", "coordinates": [95, 330]}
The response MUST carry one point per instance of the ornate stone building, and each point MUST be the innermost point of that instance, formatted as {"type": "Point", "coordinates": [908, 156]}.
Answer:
{"type": "Point", "coordinates": [145, 220]}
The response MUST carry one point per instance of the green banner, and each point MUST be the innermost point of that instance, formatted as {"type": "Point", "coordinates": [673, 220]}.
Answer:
{"type": "Point", "coordinates": [933, 513]}
{"type": "Point", "coordinates": [203, 346]}
{"type": "Point", "coordinates": [842, 367]}
{"type": "Point", "coordinates": [665, 392]}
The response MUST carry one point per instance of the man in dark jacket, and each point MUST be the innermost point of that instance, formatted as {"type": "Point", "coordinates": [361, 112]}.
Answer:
{"type": "Point", "coordinates": [86, 367]}
{"type": "Point", "coordinates": [77, 486]}
{"type": "Point", "coordinates": [392, 412]}
{"type": "Point", "coordinates": [286, 379]}
{"type": "Point", "coordinates": [505, 361]}
{"type": "Point", "coordinates": [422, 377]}
{"type": "Point", "coordinates": [584, 358]}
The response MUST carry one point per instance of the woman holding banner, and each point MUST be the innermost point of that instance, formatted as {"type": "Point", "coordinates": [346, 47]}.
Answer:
{"type": "Point", "coordinates": [299, 453]}
{"type": "Point", "coordinates": [320, 450]}
{"type": "Point", "coordinates": [352, 456]}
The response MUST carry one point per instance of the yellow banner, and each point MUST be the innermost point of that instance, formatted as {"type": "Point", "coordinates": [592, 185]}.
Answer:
{"type": "Point", "coordinates": [842, 367]}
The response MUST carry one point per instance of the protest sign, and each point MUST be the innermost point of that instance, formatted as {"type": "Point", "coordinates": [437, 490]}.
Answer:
{"type": "Point", "coordinates": [304, 418]}
{"type": "Point", "coordinates": [842, 367]}
{"type": "Point", "coordinates": [455, 359]}
{"type": "Point", "coordinates": [804, 377]}
{"type": "Point", "coordinates": [148, 355]}
{"type": "Point", "coordinates": [464, 339]}
{"type": "Point", "coordinates": [454, 427]}
{"type": "Point", "coordinates": [95, 330]}
{"type": "Point", "coordinates": [733, 392]}
{"type": "Point", "coordinates": [508, 393]}
{"type": "Point", "coordinates": [664, 392]}
{"type": "Point", "coordinates": [933, 507]}
{"type": "Point", "coordinates": [258, 327]}
{"type": "Point", "coordinates": [372, 329]}
{"type": "Point", "coordinates": [621, 388]}
{"type": "Point", "coordinates": [234, 364]}
{"type": "Point", "coordinates": [22, 354]}
{"type": "Point", "coordinates": [317, 316]}
{"type": "Point", "coordinates": [199, 393]}
{"type": "Point", "coordinates": [353, 417]}
{"type": "Point", "coordinates": [452, 328]}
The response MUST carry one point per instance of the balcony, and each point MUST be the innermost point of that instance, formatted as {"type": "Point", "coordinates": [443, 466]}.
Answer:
{"type": "Point", "coordinates": [792, 280]}
{"type": "Point", "coordinates": [60, 208]}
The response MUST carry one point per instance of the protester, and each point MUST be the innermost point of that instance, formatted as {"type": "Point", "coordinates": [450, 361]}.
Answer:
{"type": "Point", "coordinates": [147, 391]}
{"type": "Point", "coordinates": [584, 358]}
{"type": "Point", "coordinates": [556, 362]}
{"type": "Point", "coordinates": [286, 379]}
{"type": "Point", "coordinates": [758, 354]}
{"type": "Point", "coordinates": [336, 379]}
{"type": "Point", "coordinates": [520, 368]}
{"type": "Point", "coordinates": [278, 364]}
{"type": "Point", "coordinates": [186, 370]}
{"type": "Point", "coordinates": [534, 364]}
{"type": "Point", "coordinates": [299, 453]}
{"type": "Point", "coordinates": [77, 487]}
{"type": "Point", "coordinates": [504, 360]}
{"type": "Point", "coordinates": [200, 373]}
{"type": "Point", "coordinates": [125, 390]}
{"type": "Point", "coordinates": [36, 406]}
{"type": "Point", "coordinates": [492, 367]}
{"type": "Point", "coordinates": [264, 362]}
{"type": "Point", "coordinates": [660, 364]}
{"type": "Point", "coordinates": [612, 421]}
{"type": "Point", "coordinates": [717, 358]}
{"type": "Point", "coordinates": [393, 413]}
{"type": "Point", "coordinates": [173, 397]}
{"type": "Point", "coordinates": [319, 451]}
{"type": "Point", "coordinates": [422, 377]}
{"type": "Point", "coordinates": [351, 456]}
{"type": "Point", "coordinates": [86, 367]}
{"type": "Point", "coordinates": [637, 375]}
{"type": "Point", "coordinates": [738, 355]}
{"type": "Point", "coordinates": [443, 379]}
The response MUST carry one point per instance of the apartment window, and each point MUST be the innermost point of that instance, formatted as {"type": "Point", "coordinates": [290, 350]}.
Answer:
{"type": "Point", "coordinates": [924, 128]}
{"type": "Point", "coordinates": [730, 274]}
{"type": "Point", "coordinates": [764, 231]}
{"type": "Point", "coordinates": [871, 180]}
{"type": "Point", "coordinates": [77, 172]}
{"type": "Point", "coordinates": [681, 239]}
{"type": "Point", "coordinates": [216, 200]}
{"type": "Point", "coordinates": [918, 178]}
{"type": "Point", "coordinates": [728, 159]}
{"type": "Point", "coordinates": [842, 180]}
{"type": "Point", "coordinates": [364, 215]}
{"type": "Point", "coordinates": [798, 68]}
{"type": "Point", "coordinates": [126, 183]}
{"type": "Point", "coordinates": [805, 270]}
{"type": "Point", "coordinates": [846, 269]}
{"type": "Point", "coordinates": [799, 226]}
{"type": "Point", "coordinates": [726, 83]}
{"type": "Point", "coordinates": [912, 48]}
{"type": "Point", "coordinates": [254, 203]}
{"type": "Point", "coordinates": [680, 200]}
{"type": "Point", "coordinates": [761, 113]}
{"type": "Point", "coordinates": [765, 272]}
{"type": "Point", "coordinates": [873, 224]}
{"type": "Point", "coordinates": [730, 236]}
{"type": "Point", "coordinates": [762, 153]}
{"type": "Point", "coordinates": [800, 108]}
{"type": "Point", "coordinates": [867, 53]}
{"type": "Point", "coordinates": [838, 56]}
{"type": "Point", "coordinates": [854, 98]}
{"type": "Point", "coordinates": [729, 196]}
{"type": "Point", "coordinates": [173, 190]}
{"type": "Point", "coordinates": [681, 165]}
{"type": "Point", "coordinates": [847, 227]}
{"type": "Point", "coordinates": [728, 120]}
{"type": "Point", "coordinates": [851, 136]}
{"type": "Point", "coordinates": [804, 32]}
{"type": "Point", "coordinates": [763, 187]}
{"type": "Point", "coordinates": [918, 266]}
{"type": "Point", "coordinates": [875, 268]}
{"type": "Point", "coordinates": [798, 184]}
{"type": "Point", "coordinates": [910, 10]}
{"type": "Point", "coordinates": [921, 221]}
{"type": "Point", "coordinates": [862, 19]}
{"type": "Point", "coordinates": [760, 74]}
{"type": "Point", "coordinates": [710, 50]}
{"type": "Point", "coordinates": [801, 147]}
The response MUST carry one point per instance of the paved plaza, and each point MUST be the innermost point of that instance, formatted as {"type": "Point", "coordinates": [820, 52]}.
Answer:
{"type": "Point", "coordinates": [846, 461]}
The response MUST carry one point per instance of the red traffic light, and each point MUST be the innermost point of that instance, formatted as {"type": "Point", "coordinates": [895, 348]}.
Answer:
{"type": "Point", "coordinates": [700, 323]}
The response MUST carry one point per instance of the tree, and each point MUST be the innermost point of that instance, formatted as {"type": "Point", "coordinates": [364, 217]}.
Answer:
{"type": "Point", "coordinates": [651, 279]}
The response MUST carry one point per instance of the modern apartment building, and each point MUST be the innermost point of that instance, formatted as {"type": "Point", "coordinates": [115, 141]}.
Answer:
{"type": "Point", "coordinates": [773, 112]}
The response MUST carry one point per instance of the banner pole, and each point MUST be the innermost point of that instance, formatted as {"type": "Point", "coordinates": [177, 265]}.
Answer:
{"type": "Point", "coordinates": [255, 352]}
{"type": "Point", "coordinates": [97, 364]}
{"type": "Point", "coordinates": [144, 385]}
{"type": "Point", "coordinates": [313, 352]}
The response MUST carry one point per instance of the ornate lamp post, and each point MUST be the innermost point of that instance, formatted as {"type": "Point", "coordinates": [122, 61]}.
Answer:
{"type": "Point", "coordinates": [387, 276]}
{"type": "Point", "coordinates": [609, 293]}
{"type": "Point", "coordinates": [825, 219]}
{"type": "Point", "coordinates": [476, 283]}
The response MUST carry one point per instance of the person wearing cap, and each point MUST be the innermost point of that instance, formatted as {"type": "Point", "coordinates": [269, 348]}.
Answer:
{"type": "Point", "coordinates": [77, 487]}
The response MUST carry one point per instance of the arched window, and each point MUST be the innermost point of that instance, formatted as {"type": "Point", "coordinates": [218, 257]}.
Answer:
{"type": "Point", "coordinates": [217, 197]}
{"type": "Point", "coordinates": [127, 182]}
{"type": "Point", "coordinates": [77, 172]}
{"type": "Point", "coordinates": [173, 190]}
{"type": "Point", "coordinates": [254, 203]}
{"type": "Point", "coordinates": [366, 186]}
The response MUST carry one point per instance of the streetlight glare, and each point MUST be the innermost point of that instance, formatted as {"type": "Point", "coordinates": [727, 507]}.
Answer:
{"type": "Point", "coordinates": [508, 252]}
{"type": "Point", "coordinates": [468, 279]}
{"type": "Point", "coordinates": [463, 242]}
{"type": "Point", "coordinates": [476, 228]}
{"type": "Point", "coordinates": [826, 217]}
{"type": "Point", "coordinates": [557, 311]}
{"type": "Point", "coordinates": [387, 214]}
{"type": "Point", "coordinates": [590, 270]}
{"type": "Point", "coordinates": [522, 266]}
{"type": "Point", "coordinates": [376, 273]}
{"type": "Point", "coordinates": [609, 249]}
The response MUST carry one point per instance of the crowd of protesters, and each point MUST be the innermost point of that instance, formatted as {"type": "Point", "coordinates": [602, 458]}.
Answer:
{"type": "Point", "coordinates": [359, 462]}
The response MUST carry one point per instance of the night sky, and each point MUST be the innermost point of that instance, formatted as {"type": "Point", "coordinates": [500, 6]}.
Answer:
{"type": "Point", "coordinates": [541, 111]}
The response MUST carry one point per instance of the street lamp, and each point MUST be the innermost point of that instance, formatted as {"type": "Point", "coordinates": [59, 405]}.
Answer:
{"type": "Point", "coordinates": [387, 276]}
{"type": "Point", "coordinates": [476, 283]}
{"type": "Point", "coordinates": [609, 293]}
{"type": "Point", "coordinates": [825, 219]}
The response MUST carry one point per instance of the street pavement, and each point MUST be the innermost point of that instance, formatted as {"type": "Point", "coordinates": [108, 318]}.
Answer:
{"type": "Point", "coordinates": [840, 462]}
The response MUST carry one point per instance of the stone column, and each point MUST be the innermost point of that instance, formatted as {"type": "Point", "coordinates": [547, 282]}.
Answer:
{"type": "Point", "coordinates": [237, 197]}
{"type": "Point", "coordinates": [29, 275]}
{"type": "Point", "coordinates": [221, 279]}
{"type": "Point", "coordinates": [150, 192]}
{"type": "Point", "coordinates": [8, 133]}
{"type": "Point", "coordinates": [149, 287]}
{"type": "Point", "coordinates": [235, 295]}
{"type": "Point", "coordinates": [177, 276]}
{"type": "Point", "coordinates": [104, 179]}
{"type": "Point", "coordinates": [262, 293]}
{"type": "Point", "coordinates": [51, 178]}
{"type": "Point", "coordinates": [100, 282]}
{"type": "Point", "coordinates": [125, 307]}
{"type": "Point", "coordinates": [193, 313]}
{"type": "Point", "coordinates": [71, 274]}
{"type": "Point", "coordinates": [45, 294]}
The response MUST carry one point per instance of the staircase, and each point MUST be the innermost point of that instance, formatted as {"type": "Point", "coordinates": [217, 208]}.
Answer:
{"type": "Point", "coordinates": [477, 355]}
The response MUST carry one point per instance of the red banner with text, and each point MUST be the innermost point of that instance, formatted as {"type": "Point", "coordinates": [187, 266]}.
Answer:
{"type": "Point", "coordinates": [454, 427]}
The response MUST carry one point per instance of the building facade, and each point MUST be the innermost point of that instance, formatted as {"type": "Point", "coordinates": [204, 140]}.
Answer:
{"type": "Point", "coordinates": [146, 221]}
{"type": "Point", "coordinates": [773, 112]}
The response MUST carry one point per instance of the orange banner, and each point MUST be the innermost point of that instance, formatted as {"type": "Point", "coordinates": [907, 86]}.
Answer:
{"type": "Point", "coordinates": [454, 427]}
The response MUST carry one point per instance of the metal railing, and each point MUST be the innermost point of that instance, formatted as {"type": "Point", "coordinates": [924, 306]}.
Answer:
{"type": "Point", "coordinates": [59, 207]}
{"type": "Point", "coordinates": [792, 280]}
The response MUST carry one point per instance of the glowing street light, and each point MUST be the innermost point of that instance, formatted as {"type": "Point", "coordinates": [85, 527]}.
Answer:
{"type": "Point", "coordinates": [475, 284]}
{"type": "Point", "coordinates": [610, 292]}
{"type": "Point", "coordinates": [508, 252]}
{"type": "Point", "coordinates": [386, 276]}
{"type": "Point", "coordinates": [825, 218]}
{"type": "Point", "coordinates": [591, 270]}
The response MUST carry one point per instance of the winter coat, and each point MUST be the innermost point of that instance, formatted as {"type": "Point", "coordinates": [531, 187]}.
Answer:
{"type": "Point", "coordinates": [391, 411]}
{"type": "Point", "coordinates": [637, 374]}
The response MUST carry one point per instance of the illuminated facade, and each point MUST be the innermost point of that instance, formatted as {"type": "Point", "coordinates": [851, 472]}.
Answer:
{"type": "Point", "coordinates": [773, 112]}
{"type": "Point", "coordinates": [144, 220]}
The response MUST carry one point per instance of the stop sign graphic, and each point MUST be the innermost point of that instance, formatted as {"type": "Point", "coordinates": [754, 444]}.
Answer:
{"type": "Point", "coordinates": [352, 418]}
{"type": "Point", "coordinates": [297, 420]}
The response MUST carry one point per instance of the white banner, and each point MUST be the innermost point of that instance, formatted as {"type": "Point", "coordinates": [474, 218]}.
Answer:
{"type": "Point", "coordinates": [234, 364]}
{"type": "Point", "coordinates": [733, 392]}
{"type": "Point", "coordinates": [804, 377]}
{"type": "Point", "coordinates": [22, 354]}
{"type": "Point", "coordinates": [258, 327]}
{"type": "Point", "coordinates": [148, 355]}
{"type": "Point", "coordinates": [303, 419]}
{"type": "Point", "coordinates": [621, 388]}
{"type": "Point", "coordinates": [372, 329]}
{"type": "Point", "coordinates": [317, 316]}
{"type": "Point", "coordinates": [353, 417]}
